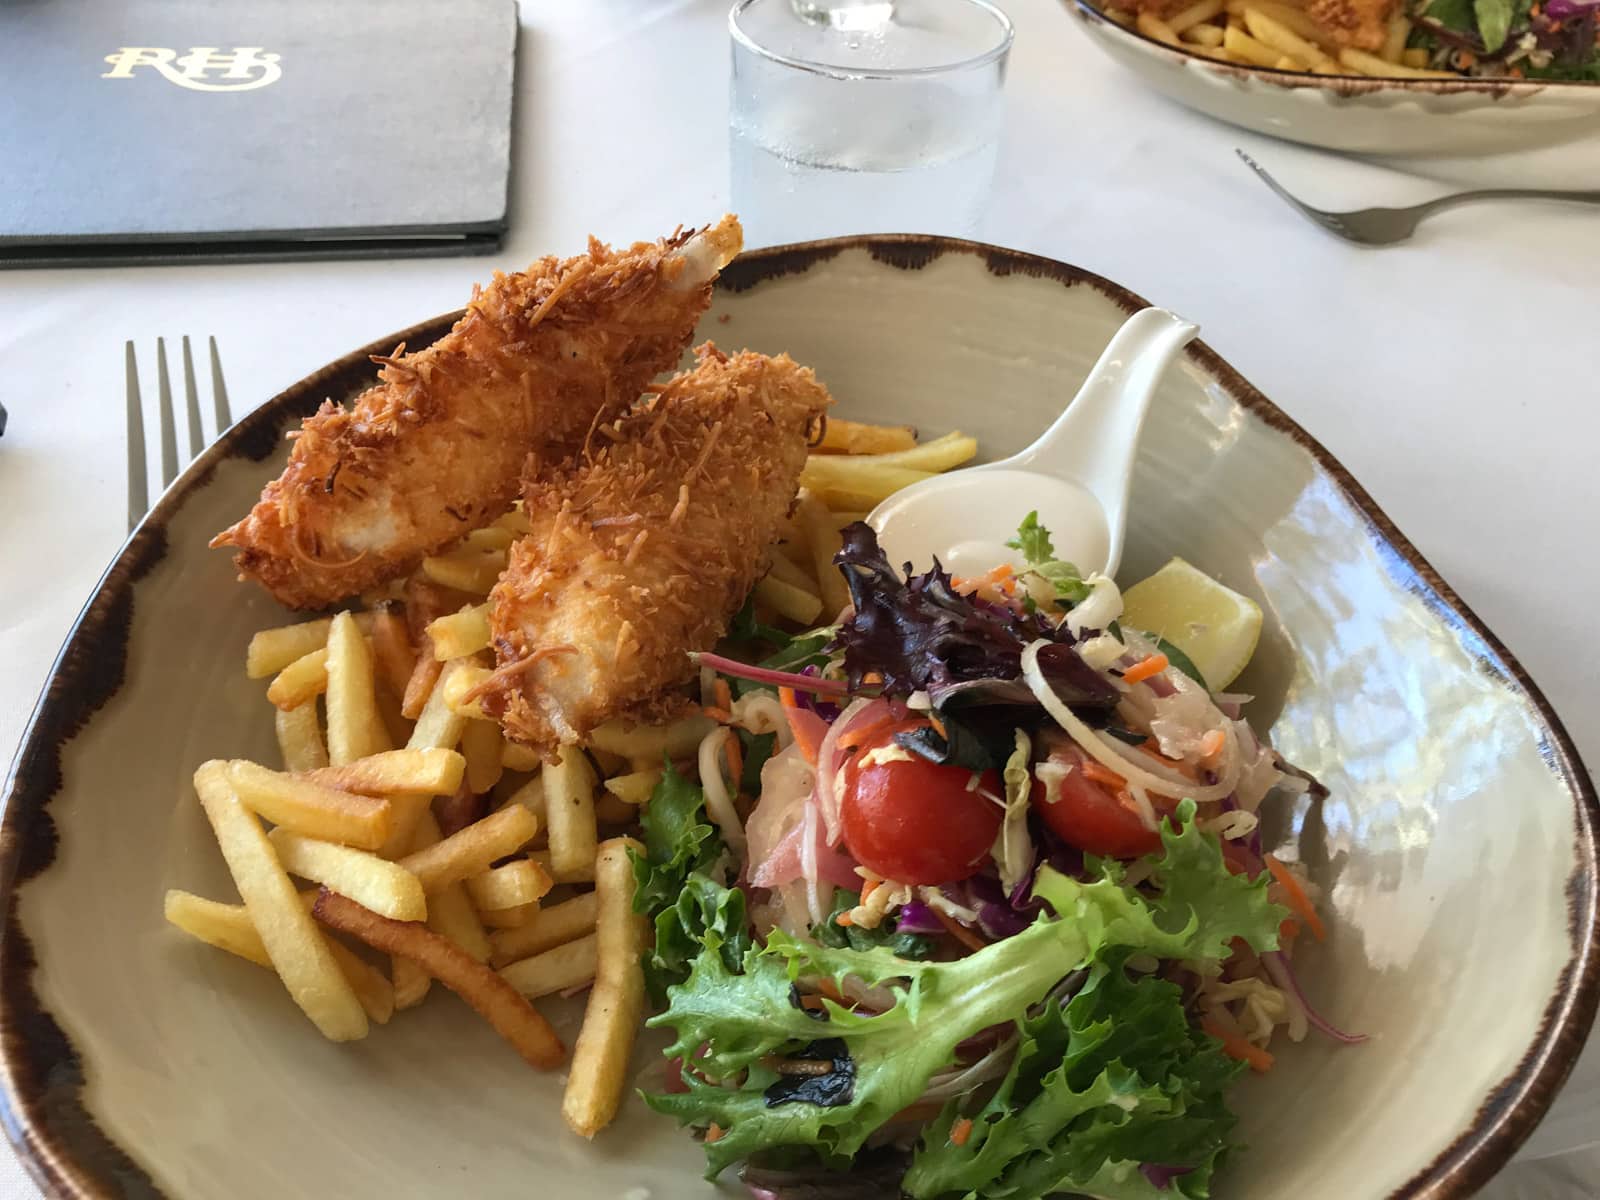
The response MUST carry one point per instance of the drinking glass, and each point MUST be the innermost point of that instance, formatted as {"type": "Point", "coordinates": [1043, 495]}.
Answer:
{"type": "Point", "coordinates": [874, 116]}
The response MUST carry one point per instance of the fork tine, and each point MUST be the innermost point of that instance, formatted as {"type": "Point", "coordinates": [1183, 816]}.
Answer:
{"type": "Point", "coordinates": [191, 402]}
{"type": "Point", "coordinates": [1261, 173]}
{"type": "Point", "coordinates": [169, 433]}
{"type": "Point", "coordinates": [138, 495]}
{"type": "Point", "coordinates": [219, 391]}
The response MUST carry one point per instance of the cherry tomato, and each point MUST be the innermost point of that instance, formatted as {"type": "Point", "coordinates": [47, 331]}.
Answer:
{"type": "Point", "coordinates": [917, 822]}
{"type": "Point", "coordinates": [1091, 816]}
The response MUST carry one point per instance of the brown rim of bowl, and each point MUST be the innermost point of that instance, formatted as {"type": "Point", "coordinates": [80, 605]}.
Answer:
{"type": "Point", "coordinates": [1345, 86]}
{"type": "Point", "coordinates": [67, 1153]}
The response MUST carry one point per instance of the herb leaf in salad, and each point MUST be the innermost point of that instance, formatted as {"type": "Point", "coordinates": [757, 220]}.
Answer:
{"type": "Point", "coordinates": [737, 1026]}
{"type": "Point", "coordinates": [1033, 540]}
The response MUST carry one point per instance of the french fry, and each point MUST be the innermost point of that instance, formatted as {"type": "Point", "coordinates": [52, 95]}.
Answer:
{"type": "Point", "coordinates": [439, 726]}
{"type": "Point", "coordinates": [612, 810]}
{"type": "Point", "coordinates": [862, 488]}
{"type": "Point", "coordinates": [1270, 32]}
{"type": "Point", "coordinates": [461, 634]}
{"type": "Point", "coordinates": [496, 919]}
{"type": "Point", "coordinates": [1394, 42]}
{"type": "Point", "coordinates": [458, 810]}
{"type": "Point", "coordinates": [823, 543]}
{"type": "Point", "coordinates": [297, 950]}
{"type": "Point", "coordinates": [568, 965]}
{"type": "Point", "coordinates": [854, 437]}
{"type": "Point", "coordinates": [515, 522]}
{"type": "Point", "coordinates": [480, 746]}
{"type": "Point", "coordinates": [1369, 64]}
{"type": "Point", "coordinates": [424, 675]}
{"type": "Point", "coordinates": [634, 787]}
{"type": "Point", "coordinates": [1248, 49]}
{"type": "Point", "coordinates": [300, 738]}
{"type": "Point", "coordinates": [546, 929]}
{"type": "Point", "coordinates": [678, 739]}
{"type": "Point", "coordinates": [393, 654]}
{"type": "Point", "coordinates": [1187, 18]}
{"type": "Point", "coordinates": [578, 873]}
{"type": "Point", "coordinates": [473, 849]}
{"type": "Point", "coordinates": [490, 537]}
{"type": "Point", "coordinates": [427, 769]}
{"type": "Point", "coordinates": [796, 604]}
{"type": "Point", "coordinates": [941, 454]}
{"type": "Point", "coordinates": [514, 756]}
{"type": "Point", "coordinates": [411, 982]}
{"type": "Point", "coordinates": [785, 570]}
{"type": "Point", "coordinates": [1209, 36]}
{"type": "Point", "coordinates": [450, 911]}
{"type": "Point", "coordinates": [1154, 27]}
{"type": "Point", "coordinates": [466, 570]}
{"type": "Point", "coordinates": [569, 786]}
{"type": "Point", "coordinates": [310, 808]}
{"type": "Point", "coordinates": [458, 684]}
{"type": "Point", "coordinates": [531, 797]}
{"type": "Point", "coordinates": [386, 888]}
{"type": "Point", "coordinates": [598, 1075]}
{"type": "Point", "coordinates": [511, 1016]}
{"type": "Point", "coordinates": [271, 650]}
{"type": "Point", "coordinates": [1414, 58]}
{"type": "Point", "coordinates": [396, 729]}
{"type": "Point", "coordinates": [228, 927]}
{"type": "Point", "coordinates": [354, 727]}
{"type": "Point", "coordinates": [304, 679]}
{"type": "Point", "coordinates": [843, 517]}
{"type": "Point", "coordinates": [510, 885]}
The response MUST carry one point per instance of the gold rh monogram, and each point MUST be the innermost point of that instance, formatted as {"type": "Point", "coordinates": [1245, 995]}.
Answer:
{"type": "Point", "coordinates": [241, 69]}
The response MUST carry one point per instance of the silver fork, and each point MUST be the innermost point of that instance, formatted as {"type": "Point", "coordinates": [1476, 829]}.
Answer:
{"type": "Point", "coordinates": [139, 467]}
{"type": "Point", "coordinates": [1386, 226]}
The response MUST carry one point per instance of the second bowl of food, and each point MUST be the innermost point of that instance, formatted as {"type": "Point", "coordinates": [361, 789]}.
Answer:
{"type": "Point", "coordinates": [1416, 78]}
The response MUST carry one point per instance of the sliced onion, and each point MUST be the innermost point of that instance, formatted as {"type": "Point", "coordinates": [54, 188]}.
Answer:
{"type": "Point", "coordinates": [1161, 780]}
{"type": "Point", "coordinates": [719, 805]}
{"type": "Point", "coordinates": [1277, 964]}
{"type": "Point", "coordinates": [828, 799]}
{"type": "Point", "coordinates": [1098, 609]}
{"type": "Point", "coordinates": [800, 683]}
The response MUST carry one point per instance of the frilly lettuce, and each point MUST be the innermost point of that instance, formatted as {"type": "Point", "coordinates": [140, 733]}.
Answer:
{"type": "Point", "coordinates": [732, 1021]}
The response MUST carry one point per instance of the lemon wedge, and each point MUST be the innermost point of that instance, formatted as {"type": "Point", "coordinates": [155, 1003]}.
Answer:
{"type": "Point", "coordinates": [1214, 625]}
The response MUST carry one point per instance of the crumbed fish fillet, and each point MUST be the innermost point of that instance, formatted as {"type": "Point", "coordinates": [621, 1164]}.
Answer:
{"type": "Point", "coordinates": [438, 447]}
{"type": "Point", "coordinates": [644, 551]}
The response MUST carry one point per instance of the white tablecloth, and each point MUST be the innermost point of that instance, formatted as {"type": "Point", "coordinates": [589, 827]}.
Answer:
{"type": "Point", "coordinates": [1452, 375]}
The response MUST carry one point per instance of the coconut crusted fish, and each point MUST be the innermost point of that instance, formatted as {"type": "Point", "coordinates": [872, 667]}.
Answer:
{"type": "Point", "coordinates": [438, 447]}
{"type": "Point", "coordinates": [643, 551]}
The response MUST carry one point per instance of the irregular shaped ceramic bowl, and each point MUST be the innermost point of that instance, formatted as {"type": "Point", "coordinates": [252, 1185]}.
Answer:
{"type": "Point", "coordinates": [1444, 118]}
{"type": "Point", "coordinates": [1457, 850]}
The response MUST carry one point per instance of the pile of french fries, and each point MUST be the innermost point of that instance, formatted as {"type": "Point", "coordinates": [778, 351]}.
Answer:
{"type": "Point", "coordinates": [424, 838]}
{"type": "Point", "coordinates": [1279, 34]}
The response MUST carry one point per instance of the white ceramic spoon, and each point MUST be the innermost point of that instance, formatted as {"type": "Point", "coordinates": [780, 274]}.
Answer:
{"type": "Point", "coordinates": [1075, 475]}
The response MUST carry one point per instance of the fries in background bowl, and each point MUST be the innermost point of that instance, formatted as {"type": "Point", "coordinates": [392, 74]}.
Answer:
{"type": "Point", "coordinates": [421, 836]}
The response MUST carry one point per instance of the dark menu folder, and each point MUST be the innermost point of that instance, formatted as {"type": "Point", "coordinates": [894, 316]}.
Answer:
{"type": "Point", "coordinates": [159, 131]}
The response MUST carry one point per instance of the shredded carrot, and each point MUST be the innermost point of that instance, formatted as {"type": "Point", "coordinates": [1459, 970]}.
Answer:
{"type": "Point", "coordinates": [961, 1131]}
{"type": "Point", "coordinates": [802, 731]}
{"type": "Point", "coordinates": [735, 758]}
{"type": "Point", "coordinates": [724, 696]}
{"type": "Point", "coordinates": [1145, 668]}
{"type": "Point", "coordinates": [1153, 748]}
{"type": "Point", "coordinates": [1096, 772]}
{"type": "Point", "coordinates": [1288, 930]}
{"type": "Point", "coordinates": [872, 677]}
{"type": "Point", "coordinates": [714, 1132]}
{"type": "Point", "coordinates": [1296, 895]}
{"type": "Point", "coordinates": [938, 727]}
{"type": "Point", "coordinates": [1235, 1046]}
{"type": "Point", "coordinates": [1211, 745]}
{"type": "Point", "coordinates": [844, 918]}
{"type": "Point", "coordinates": [922, 1110]}
{"type": "Point", "coordinates": [960, 932]}
{"type": "Point", "coordinates": [720, 715]}
{"type": "Point", "coordinates": [868, 888]}
{"type": "Point", "coordinates": [860, 735]}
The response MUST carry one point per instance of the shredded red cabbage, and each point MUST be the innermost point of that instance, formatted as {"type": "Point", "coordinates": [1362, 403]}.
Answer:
{"type": "Point", "coordinates": [739, 670]}
{"type": "Point", "coordinates": [916, 917]}
{"type": "Point", "coordinates": [1161, 1176]}
{"type": "Point", "coordinates": [1284, 974]}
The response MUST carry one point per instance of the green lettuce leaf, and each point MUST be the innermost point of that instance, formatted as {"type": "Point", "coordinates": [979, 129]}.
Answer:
{"type": "Point", "coordinates": [674, 884]}
{"type": "Point", "coordinates": [1033, 540]}
{"type": "Point", "coordinates": [1114, 1078]}
{"type": "Point", "coordinates": [830, 933]}
{"type": "Point", "coordinates": [733, 1021]}
{"type": "Point", "coordinates": [1494, 21]}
